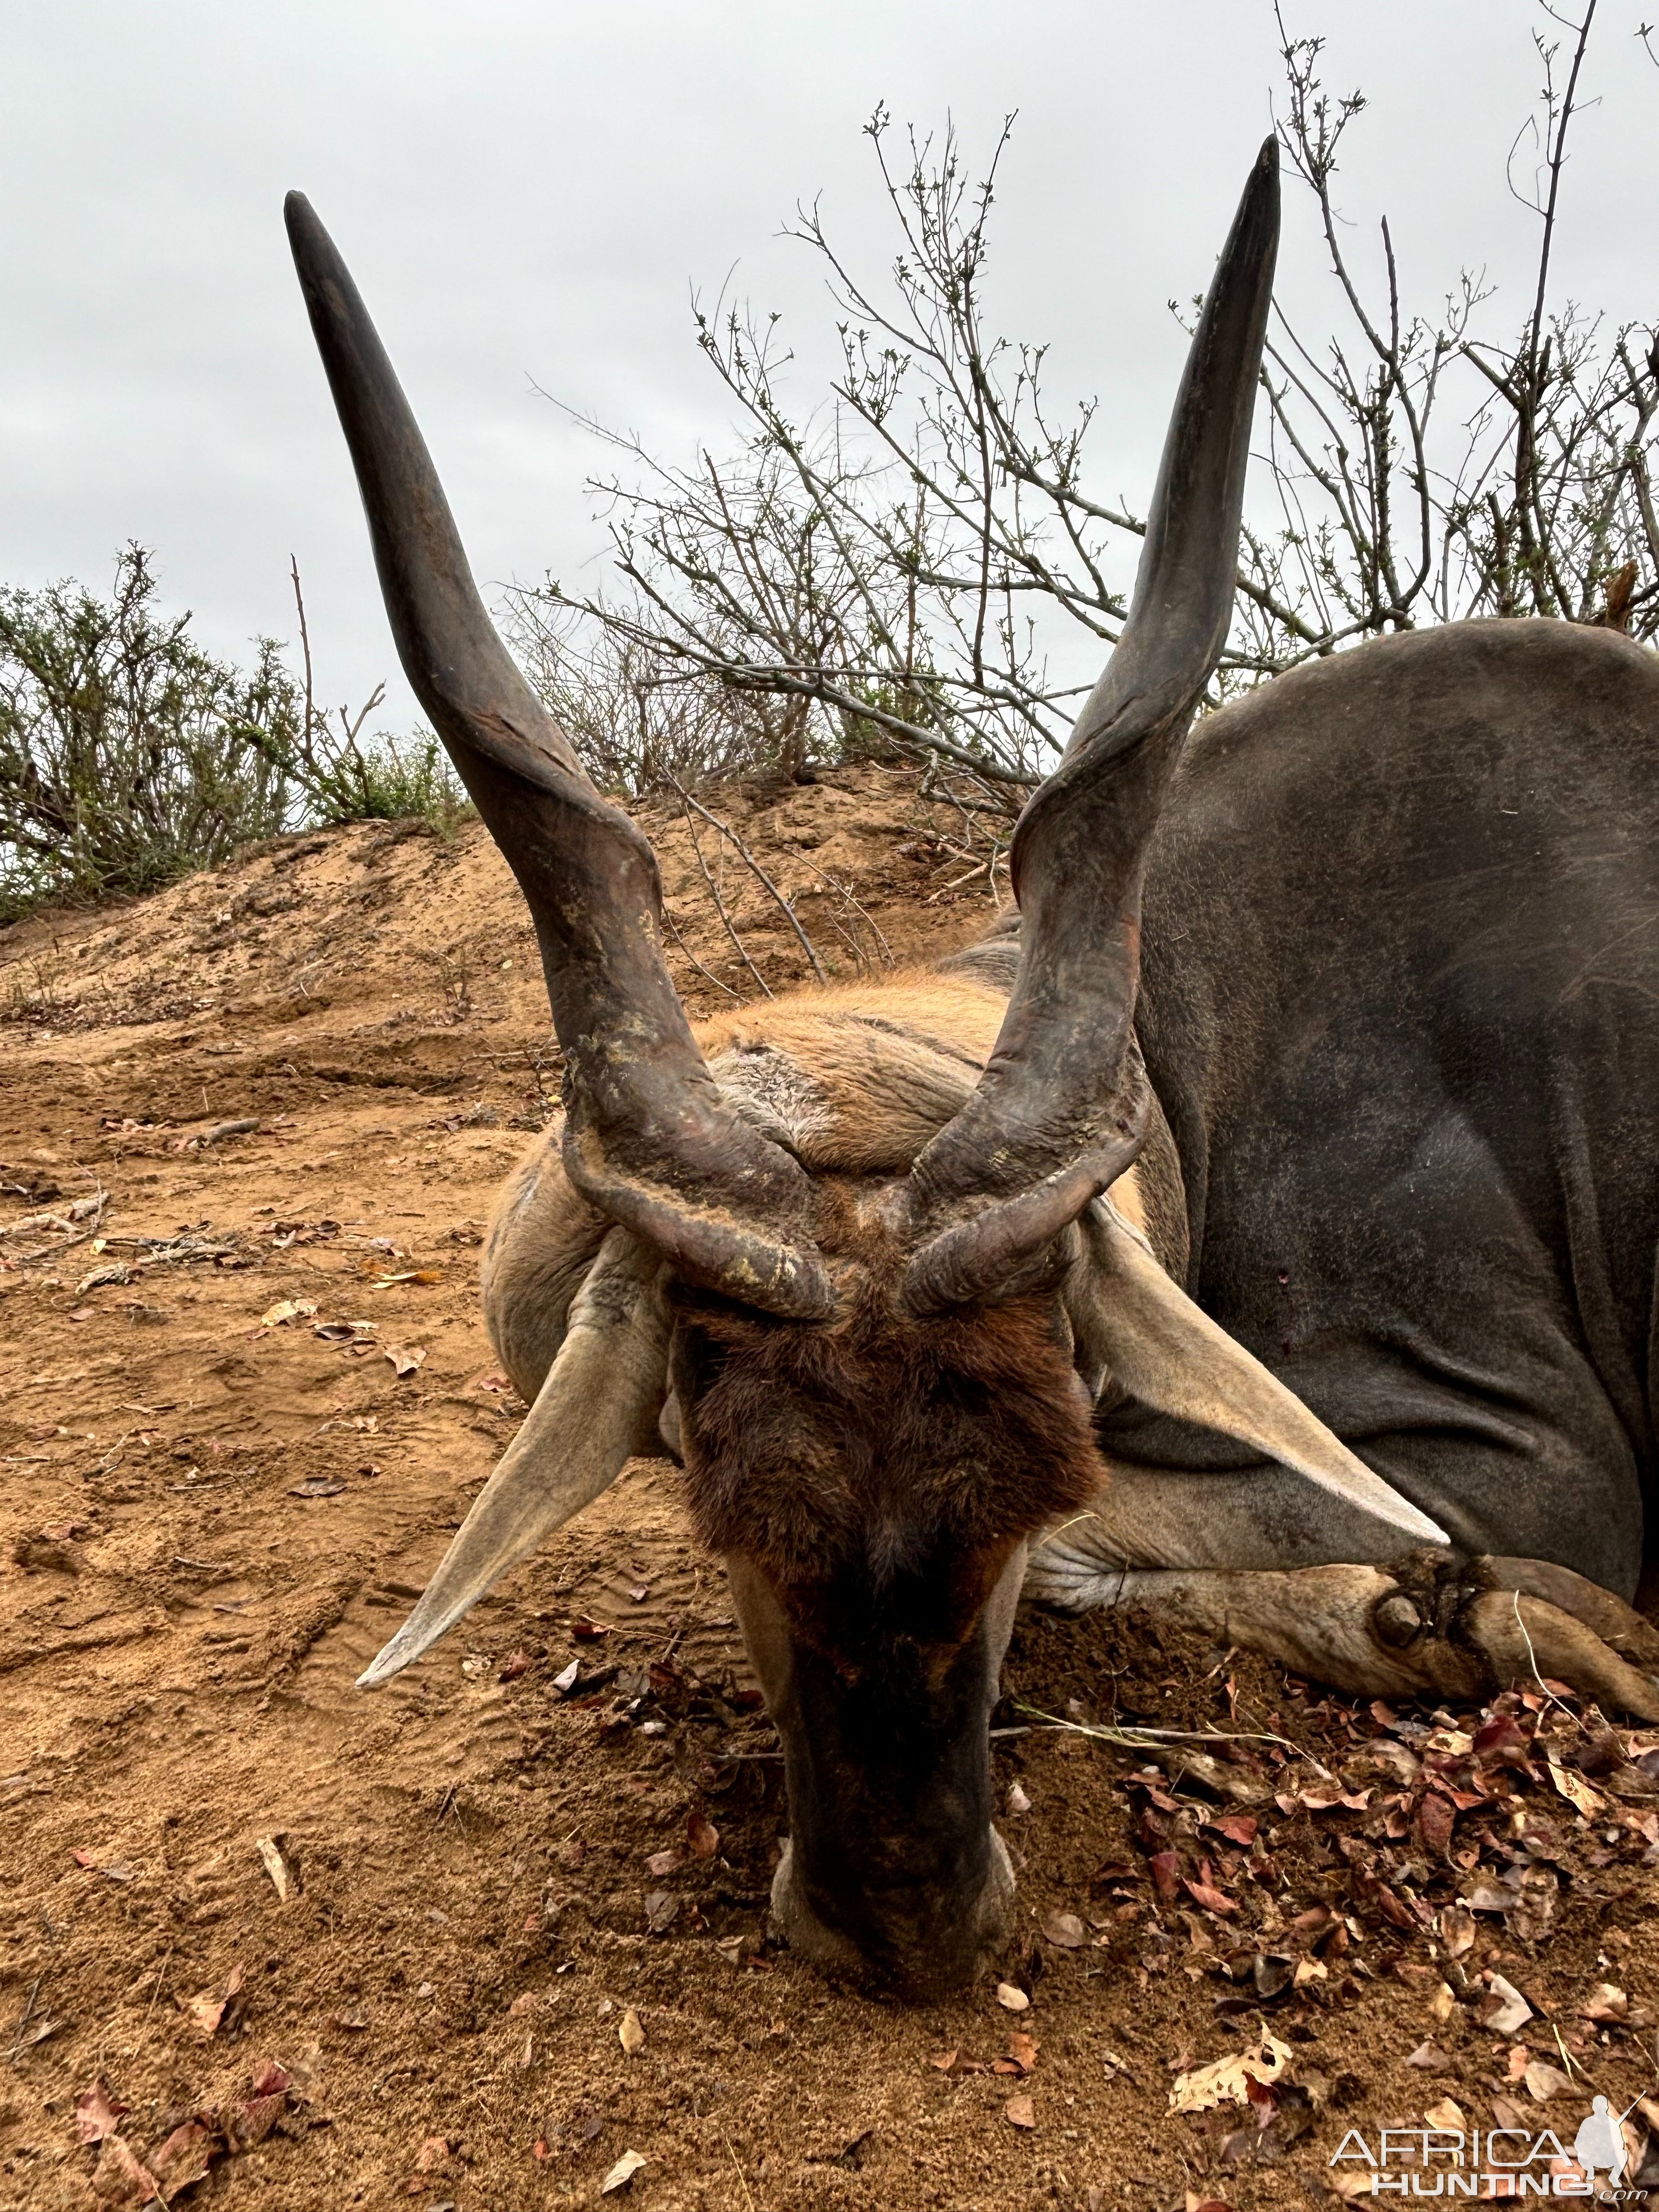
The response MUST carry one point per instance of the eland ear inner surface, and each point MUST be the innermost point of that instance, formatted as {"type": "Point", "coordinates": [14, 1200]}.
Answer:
{"type": "Point", "coordinates": [649, 1140]}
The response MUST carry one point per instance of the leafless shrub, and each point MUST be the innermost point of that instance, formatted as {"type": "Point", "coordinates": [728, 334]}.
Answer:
{"type": "Point", "coordinates": [1428, 469]}
{"type": "Point", "coordinates": [882, 566]}
{"type": "Point", "coordinates": [641, 717]}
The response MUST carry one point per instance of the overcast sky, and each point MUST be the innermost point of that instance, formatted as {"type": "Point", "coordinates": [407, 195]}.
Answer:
{"type": "Point", "coordinates": [528, 191]}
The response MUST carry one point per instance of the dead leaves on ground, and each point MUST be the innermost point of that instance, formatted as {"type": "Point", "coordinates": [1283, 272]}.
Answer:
{"type": "Point", "coordinates": [287, 1310]}
{"type": "Point", "coordinates": [622, 2173]}
{"type": "Point", "coordinates": [207, 2012]}
{"type": "Point", "coordinates": [1065, 1929]}
{"type": "Point", "coordinates": [1231, 2080]}
{"type": "Point", "coordinates": [1487, 1821]}
{"type": "Point", "coordinates": [187, 2143]}
{"type": "Point", "coordinates": [1018, 2060]}
{"type": "Point", "coordinates": [279, 1863]}
{"type": "Point", "coordinates": [97, 2112]}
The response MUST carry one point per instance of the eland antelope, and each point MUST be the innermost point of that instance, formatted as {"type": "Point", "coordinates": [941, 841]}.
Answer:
{"type": "Point", "coordinates": [1266, 1232]}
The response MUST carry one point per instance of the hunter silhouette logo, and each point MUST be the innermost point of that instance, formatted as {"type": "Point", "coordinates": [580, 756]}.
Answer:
{"type": "Point", "coordinates": [1600, 2142]}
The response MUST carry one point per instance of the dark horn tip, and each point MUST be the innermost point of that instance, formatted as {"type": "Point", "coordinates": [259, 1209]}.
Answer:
{"type": "Point", "coordinates": [1267, 159]}
{"type": "Point", "coordinates": [306, 237]}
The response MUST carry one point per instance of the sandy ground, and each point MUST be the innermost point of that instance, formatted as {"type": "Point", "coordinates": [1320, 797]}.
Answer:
{"type": "Point", "coordinates": [247, 1394]}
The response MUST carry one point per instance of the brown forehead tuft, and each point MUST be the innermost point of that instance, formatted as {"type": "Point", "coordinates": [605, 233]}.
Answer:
{"type": "Point", "coordinates": [878, 1444]}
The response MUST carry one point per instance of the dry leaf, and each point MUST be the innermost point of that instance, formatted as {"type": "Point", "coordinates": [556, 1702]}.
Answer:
{"type": "Point", "coordinates": [288, 1310]}
{"type": "Point", "coordinates": [1018, 1801]}
{"type": "Point", "coordinates": [1019, 2111]}
{"type": "Point", "coordinates": [183, 2158]}
{"type": "Point", "coordinates": [1446, 2115]}
{"type": "Point", "coordinates": [661, 1910]}
{"type": "Point", "coordinates": [565, 1680]}
{"type": "Point", "coordinates": [944, 2060]}
{"type": "Point", "coordinates": [270, 1852]}
{"type": "Point", "coordinates": [630, 2034]}
{"type": "Point", "coordinates": [1430, 2058]}
{"type": "Point", "coordinates": [205, 2012]}
{"type": "Point", "coordinates": [516, 1664]}
{"type": "Point", "coordinates": [432, 2153]}
{"type": "Point", "coordinates": [1435, 1817]}
{"type": "Point", "coordinates": [97, 2112]}
{"type": "Point", "coordinates": [1506, 2011]}
{"type": "Point", "coordinates": [406, 1358]}
{"type": "Point", "coordinates": [317, 1486]}
{"type": "Point", "coordinates": [1577, 1791]}
{"type": "Point", "coordinates": [622, 2173]}
{"type": "Point", "coordinates": [702, 1835]}
{"type": "Point", "coordinates": [1606, 2002]}
{"type": "Point", "coordinates": [1326, 1796]}
{"type": "Point", "coordinates": [1544, 2081]}
{"type": "Point", "coordinates": [1271, 1975]}
{"type": "Point", "coordinates": [1065, 1929]}
{"type": "Point", "coordinates": [1226, 2080]}
{"type": "Point", "coordinates": [1442, 2004]}
{"type": "Point", "coordinates": [1023, 2050]}
{"type": "Point", "coordinates": [1211, 1900]}
{"type": "Point", "coordinates": [1011, 1999]}
{"type": "Point", "coordinates": [1166, 1873]}
{"type": "Point", "coordinates": [120, 2179]}
{"type": "Point", "coordinates": [1456, 1929]}
{"type": "Point", "coordinates": [663, 1864]}
{"type": "Point", "coordinates": [1492, 1897]}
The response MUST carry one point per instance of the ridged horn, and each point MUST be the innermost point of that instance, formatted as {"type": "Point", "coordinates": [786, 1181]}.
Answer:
{"type": "Point", "coordinates": [1060, 1112]}
{"type": "Point", "coordinates": [648, 1139]}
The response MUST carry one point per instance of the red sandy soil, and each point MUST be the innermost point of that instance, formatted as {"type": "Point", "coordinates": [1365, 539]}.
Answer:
{"type": "Point", "coordinates": [213, 1515]}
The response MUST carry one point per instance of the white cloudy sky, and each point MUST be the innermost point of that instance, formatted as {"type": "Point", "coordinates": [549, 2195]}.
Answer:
{"type": "Point", "coordinates": [528, 190]}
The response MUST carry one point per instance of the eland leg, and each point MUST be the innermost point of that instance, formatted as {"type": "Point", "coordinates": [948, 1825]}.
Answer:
{"type": "Point", "coordinates": [1209, 1553]}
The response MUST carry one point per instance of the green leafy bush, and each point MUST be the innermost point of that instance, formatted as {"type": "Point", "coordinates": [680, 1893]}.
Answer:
{"type": "Point", "coordinates": [129, 756]}
{"type": "Point", "coordinates": [125, 752]}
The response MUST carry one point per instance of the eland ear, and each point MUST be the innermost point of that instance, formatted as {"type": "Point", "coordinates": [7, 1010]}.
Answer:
{"type": "Point", "coordinates": [1166, 1351]}
{"type": "Point", "coordinates": [601, 1390]}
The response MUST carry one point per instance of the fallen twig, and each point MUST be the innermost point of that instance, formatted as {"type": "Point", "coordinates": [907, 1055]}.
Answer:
{"type": "Point", "coordinates": [707, 973]}
{"type": "Point", "coordinates": [1149, 1739]}
{"type": "Point", "coordinates": [720, 908]}
{"type": "Point", "coordinates": [759, 873]}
